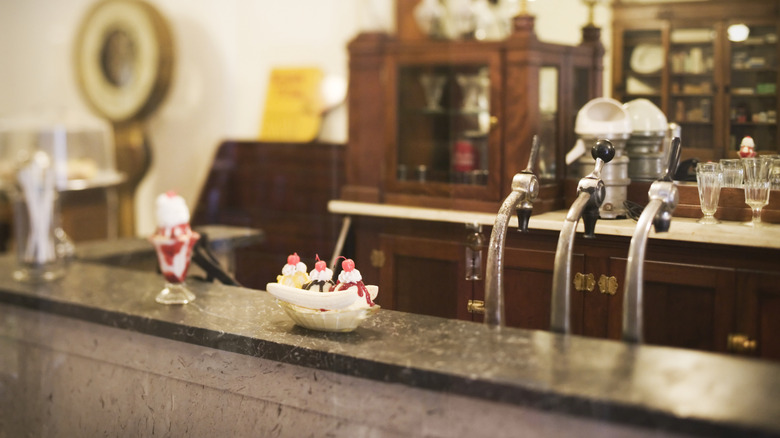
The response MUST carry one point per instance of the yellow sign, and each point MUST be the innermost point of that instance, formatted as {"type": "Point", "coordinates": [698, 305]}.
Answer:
{"type": "Point", "coordinates": [293, 105]}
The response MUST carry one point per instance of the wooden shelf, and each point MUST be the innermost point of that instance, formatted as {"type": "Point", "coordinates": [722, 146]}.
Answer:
{"type": "Point", "coordinates": [725, 68]}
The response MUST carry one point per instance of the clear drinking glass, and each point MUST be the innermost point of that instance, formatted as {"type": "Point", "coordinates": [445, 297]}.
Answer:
{"type": "Point", "coordinates": [36, 216]}
{"type": "Point", "coordinates": [433, 85]}
{"type": "Point", "coordinates": [774, 174]}
{"type": "Point", "coordinates": [757, 185]}
{"type": "Point", "coordinates": [174, 254]}
{"type": "Point", "coordinates": [732, 172]}
{"type": "Point", "coordinates": [709, 180]}
{"type": "Point", "coordinates": [475, 88]}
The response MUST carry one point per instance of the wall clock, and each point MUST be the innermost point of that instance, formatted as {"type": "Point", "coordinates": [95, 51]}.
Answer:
{"type": "Point", "coordinates": [124, 58]}
{"type": "Point", "coordinates": [124, 64]}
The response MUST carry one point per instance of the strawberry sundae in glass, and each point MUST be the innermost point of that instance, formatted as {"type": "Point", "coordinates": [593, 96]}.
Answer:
{"type": "Point", "coordinates": [173, 241]}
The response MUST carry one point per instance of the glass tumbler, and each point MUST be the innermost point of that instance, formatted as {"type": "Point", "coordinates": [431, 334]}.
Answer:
{"type": "Point", "coordinates": [36, 217]}
{"type": "Point", "coordinates": [709, 181]}
{"type": "Point", "coordinates": [757, 185]}
{"type": "Point", "coordinates": [732, 172]}
{"type": "Point", "coordinates": [433, 85]}
{"type": "Point", "coordinates": [774, 174]}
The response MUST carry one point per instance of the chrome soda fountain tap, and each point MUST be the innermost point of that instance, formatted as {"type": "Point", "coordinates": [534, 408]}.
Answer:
{"type": "Point", "coordinates": [658, 213]}
{"type": "Point", "coordinates": [525, 189]}
{"type": "Point", "coordinates": [590, 196]}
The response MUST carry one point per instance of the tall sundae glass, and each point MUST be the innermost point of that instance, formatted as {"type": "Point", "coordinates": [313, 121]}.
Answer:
{"type": "Point", "coordinates": [173, 241]}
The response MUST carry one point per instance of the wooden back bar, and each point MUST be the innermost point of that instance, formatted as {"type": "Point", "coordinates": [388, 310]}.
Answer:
{"type": "Point", "coordinates": [731, 205]}
{"type": "Point", "coordinates": [281, 188]}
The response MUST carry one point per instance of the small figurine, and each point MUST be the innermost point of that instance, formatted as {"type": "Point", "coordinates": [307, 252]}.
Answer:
{"type": "Point", "coordinates": [747, 149]}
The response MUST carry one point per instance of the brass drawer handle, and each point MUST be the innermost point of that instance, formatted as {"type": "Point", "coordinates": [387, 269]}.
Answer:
{"type": "Point", "coordinates": [476, 306]}
{"type": "Point", "coordinates": [608, 285]}
{"type": "Point", "coordinates": [377, 258]}
{"type": "Point", "coordinates": [741, 344]}
{"type": "Point", "coordinates": [584, 282]}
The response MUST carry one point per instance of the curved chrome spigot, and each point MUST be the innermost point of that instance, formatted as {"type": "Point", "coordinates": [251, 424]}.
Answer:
{"type": "Point", "coordinates": [525, 189]}
{"type": "Point", "coordinates": [663, 200]}
{"type": "Point", "coordinates": [590, 196]}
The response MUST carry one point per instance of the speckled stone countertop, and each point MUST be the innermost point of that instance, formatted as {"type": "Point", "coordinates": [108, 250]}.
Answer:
{"type": "Point", "coordinates": [220, 238]}
{"type": "Point", "coordinates": [660, 388]}
{"type": "Point", "coordinates": [682, 229]}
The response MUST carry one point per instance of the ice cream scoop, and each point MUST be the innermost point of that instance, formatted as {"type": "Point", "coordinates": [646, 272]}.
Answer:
{"type": "Point", "coordinates": [349, 277]}
{"type": "Point", "coordinates": [294, 272]}
{"type": "Point", "coordinates": [321, 277]}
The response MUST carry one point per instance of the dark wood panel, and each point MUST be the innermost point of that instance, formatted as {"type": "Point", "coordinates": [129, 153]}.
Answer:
{"type": "Point", "coordinates": [758, 304]}
{"type": "Point", "coordinates": [281, 188]}
{"type": "Point", "coordinates": [424, 276]}
{"type": "Point", "coordinates": [528, 276]}
{"type": "Point", "coordinates": [687, 306]}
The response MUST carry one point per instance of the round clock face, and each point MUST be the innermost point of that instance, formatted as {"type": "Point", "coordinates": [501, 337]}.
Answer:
{"type": "Point", "coordinates": [124, 58]}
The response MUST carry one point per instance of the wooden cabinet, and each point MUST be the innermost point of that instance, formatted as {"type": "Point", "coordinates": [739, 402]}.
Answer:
{"type": "Point", "coordinates": [447, 124]}
{"type": "Point", "coordinates": [424, 276]}
{"type": "Point", "coordinates": [692, 62]}
{"type": "Point", "coordinates": [758, 307]}
{"type": "Point", "coordinates": [699, 296]}
{"type": "Point", "coordinates": [685, 305]}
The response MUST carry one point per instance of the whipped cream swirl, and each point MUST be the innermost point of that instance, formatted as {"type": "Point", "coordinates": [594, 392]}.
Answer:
{"type": "Point", "coordinates": [289, 269]}
{"type": "Point", "coordinates": [324, 275]}
{"type": "Point", "coordinates": [171, 210]}
{"type": "Point", "coordinates": [352, 276]}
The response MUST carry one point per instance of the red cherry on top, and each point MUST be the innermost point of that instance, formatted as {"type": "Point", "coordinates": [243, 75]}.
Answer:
{"type": "Point", "coordinates": [348, 265]}
{"type": "Point", "coordinates": [171, 193]}
{"type": "Point", "coordinates": [293, 259]}
{"type": "Point", "coordinates": [320, 266]}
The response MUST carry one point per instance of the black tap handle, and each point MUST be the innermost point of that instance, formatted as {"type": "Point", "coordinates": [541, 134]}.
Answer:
{"type": "Point", "coordinates": [603, 149]}
{"type": "Point", "coordinates": [675, 150]}
{"type": "Point", "coordinates": [589, 218]}
{"type": "Point", "coordinates": [662, 221]}
{"type": "Point", "coordinates": [523, 215]}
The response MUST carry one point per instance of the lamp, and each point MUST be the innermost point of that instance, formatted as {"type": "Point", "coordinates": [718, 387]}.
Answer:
{"type": "Point", "coordinates": [738, 32]}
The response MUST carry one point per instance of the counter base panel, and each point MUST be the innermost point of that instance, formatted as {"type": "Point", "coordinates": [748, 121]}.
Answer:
{"type": "Point", "coordinates": [67, 377]}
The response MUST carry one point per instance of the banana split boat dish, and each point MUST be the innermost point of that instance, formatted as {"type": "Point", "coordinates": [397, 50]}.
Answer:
{"type": "Point", "coordinates": [314, 301]}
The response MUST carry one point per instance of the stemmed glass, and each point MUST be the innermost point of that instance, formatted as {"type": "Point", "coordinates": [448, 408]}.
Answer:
{"type": "Point", "coordinates": [709, 180]}
{"type": "Point", "coordinates": [757, 186]}
{"type": "Point", "coordinates": [174, 254]}
{"type": "Point", "coordinates": [475, 90]}
{"type": "Point", "coordinates": [433, 85]}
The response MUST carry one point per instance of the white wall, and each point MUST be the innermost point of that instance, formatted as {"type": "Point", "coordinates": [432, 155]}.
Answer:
{"type": "Point", "coordinates": [224, 52]}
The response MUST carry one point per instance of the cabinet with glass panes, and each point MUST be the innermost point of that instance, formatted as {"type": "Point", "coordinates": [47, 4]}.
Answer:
{"type": "Point", "coordinates": [753, 77]}
{"type": "Point", "coordinates": [712, 70]}
{"type": "Point", "coordinates": [447, 123]}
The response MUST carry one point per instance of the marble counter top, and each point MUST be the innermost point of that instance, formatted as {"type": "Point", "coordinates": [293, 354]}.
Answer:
{"type": "Point", "coordinates": [666, 389]}
{"type": "Point", "coordinates": [220, 238]}
{"type": "Point", "coordinates": [682, 229]}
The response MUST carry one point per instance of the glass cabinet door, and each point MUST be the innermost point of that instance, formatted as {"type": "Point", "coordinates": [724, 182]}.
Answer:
{"type": "Point", "coordinates": [443, 124]}
{"type": "Point", "coordinates": [642, 65]}
{"type": "Point", "coordinates": [692, 87]}
{"type": "Point", "coordinates": [753, 86]}
{"type": "Point", "coordinates": [546, 167]}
